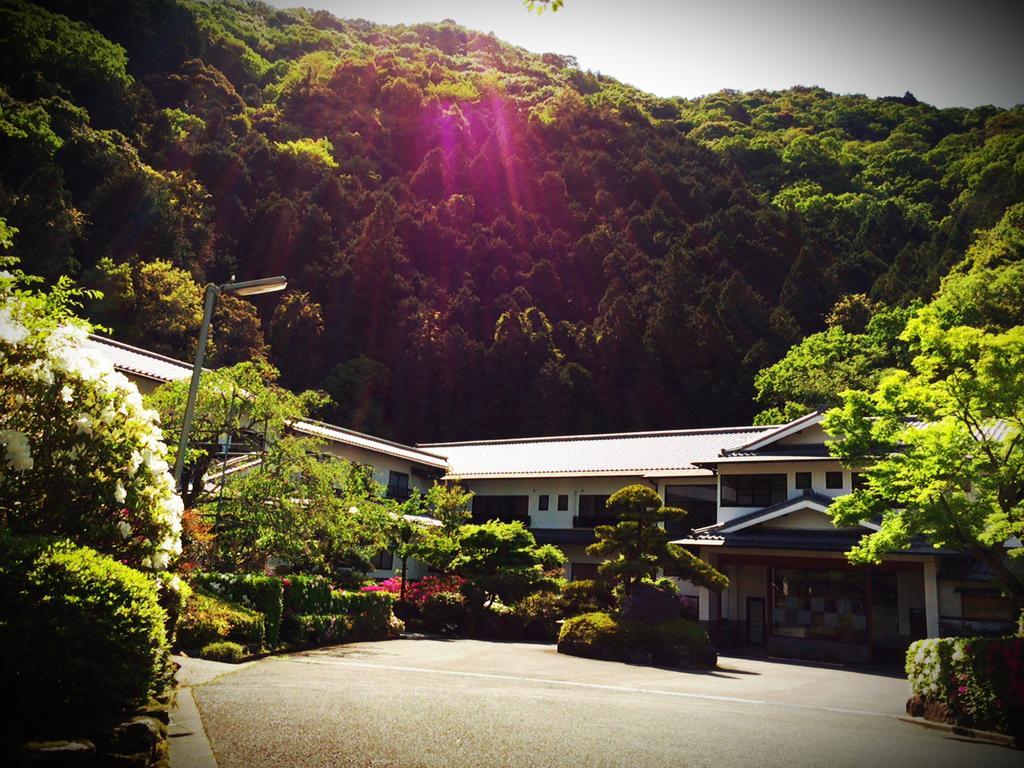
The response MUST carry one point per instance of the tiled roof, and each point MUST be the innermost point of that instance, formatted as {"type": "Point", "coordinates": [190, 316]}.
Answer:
{"type": "Point", "coordinates": [370, 443]}
{"type": "Point", "coordinates": [630, 453]}
{"type": "Point", "coordinates": [140, 362]}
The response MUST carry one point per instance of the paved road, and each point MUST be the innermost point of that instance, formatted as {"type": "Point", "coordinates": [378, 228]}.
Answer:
{"type": "Point", "coordinates": [469, 703]}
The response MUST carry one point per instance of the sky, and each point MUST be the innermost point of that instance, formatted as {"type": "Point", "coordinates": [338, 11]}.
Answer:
{"type": "Point", "coordinates": [946, 52]}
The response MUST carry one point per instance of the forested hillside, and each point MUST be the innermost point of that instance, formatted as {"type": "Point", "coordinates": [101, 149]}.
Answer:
{"type": "Point", "coordinates": [480, 241]}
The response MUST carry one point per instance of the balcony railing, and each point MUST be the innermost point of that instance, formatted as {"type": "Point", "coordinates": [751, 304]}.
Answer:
{"type": "Point", "coordinates": [592, 521]}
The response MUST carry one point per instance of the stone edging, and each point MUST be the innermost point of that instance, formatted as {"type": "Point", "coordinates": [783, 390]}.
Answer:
{"type": "Point", "coordinates": [988, 737]}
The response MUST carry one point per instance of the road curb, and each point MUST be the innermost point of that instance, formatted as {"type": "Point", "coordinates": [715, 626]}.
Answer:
{"type": "Point", "coordinates": [188, 744]}
{"type": "Point", "coordinates": [987, 737]}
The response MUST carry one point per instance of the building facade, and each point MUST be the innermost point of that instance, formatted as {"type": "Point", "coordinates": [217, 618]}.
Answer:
{"type": "Point", "coordinates": [757, 499]}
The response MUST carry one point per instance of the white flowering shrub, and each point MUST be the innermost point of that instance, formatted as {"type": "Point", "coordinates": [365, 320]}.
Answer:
{"type": "Point", "coordinates": [80, 455]}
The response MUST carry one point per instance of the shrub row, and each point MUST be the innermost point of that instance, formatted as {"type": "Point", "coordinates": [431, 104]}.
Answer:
{"type": "Point", "coordinates": [677, 642]}
{"type": "Point", "coordinates": [207, 619]}
{"type": "Point", "coordinates": [254, 591]}
{"type": "Point", "coordinates": [972, 681]}
{"type": "Point", "coordinates": [81, 635]}
{"type": "Point", "coordinates": [348, 616]}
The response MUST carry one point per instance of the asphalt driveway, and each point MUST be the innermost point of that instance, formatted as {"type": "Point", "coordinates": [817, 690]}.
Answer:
{"type": "Point", "coordinates": [471, 703]}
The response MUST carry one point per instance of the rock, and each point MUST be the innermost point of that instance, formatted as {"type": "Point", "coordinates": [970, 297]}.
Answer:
{"type": "Point", "coordinates": [139, 735]}
{"type": "Point", "coordinates": [915, 706]}
{"type": "Point", "coordinates": [58, 754]}
{"type": "Point", "coordinates": [156, 710]}
{"type": "Point", "coordinates": [117, 760]}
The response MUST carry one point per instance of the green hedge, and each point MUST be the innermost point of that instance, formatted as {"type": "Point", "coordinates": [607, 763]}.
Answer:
{"type": "Point", "coordinates": [256, 591]}
{"type": "Point", "coordinates": [307, 595]}
{"type": "Point", "coordinates": [348, 616]}
{"type": "Point", "coordinates": [605, 636]}
{"type": "Point", "coordinates": [979, 681]}
{"type": "Point", "coordinates": [225, 650]}
{"type": "Point", "coordinates": [314, 630]}
{"type": "Point", "coordinates": [206, 619]}
{"type": "Point", "coordinates": [81, 636]}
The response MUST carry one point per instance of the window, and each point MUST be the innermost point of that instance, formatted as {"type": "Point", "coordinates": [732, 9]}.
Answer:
{"type": "Point", "coordinates": [985, 605]}
{"type": "Point", "coordinates": [398, 486]}
{"type": "Point", "coordinates": [593, 512]}
{"type": "Point", "coordinates": [503, 508]}
{"type": "Point", "coordinates": [753, 490]}
{"type": "Point", "coordinates": [593, 506]}
{"type": "Point", "coordinates": [700, 503]}
{"type": "Point", "coordinates": [858, 481]}
{"type": "Point", "coordinates": [543, 502]}
{"type": "Point", "coordinates": [803, 481]}
{"type": "Point", "coordinates": [578, 571]}
{"type": "Point", "coordinates": [563, 502]}
{"type": "Point", "coordinates": [833, 479]}
{"type": "Point", "coordinates": [384, 561]}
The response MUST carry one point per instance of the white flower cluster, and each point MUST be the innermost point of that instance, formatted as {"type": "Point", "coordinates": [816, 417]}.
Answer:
{"type": "Point", "coordinates": [106, 444]}
{"type": "Point", "coordinates": [924, 665]}
{"type": "Point", "coordinates": [18, 454]}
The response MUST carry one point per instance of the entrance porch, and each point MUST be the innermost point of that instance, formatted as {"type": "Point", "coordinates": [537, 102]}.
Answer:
{"type": "Point", "coordinates": [818, 606]}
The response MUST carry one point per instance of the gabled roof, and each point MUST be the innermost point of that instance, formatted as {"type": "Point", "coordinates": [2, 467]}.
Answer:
{"type": "Point", "coordinates": [807, 500]}
{"type": "Point", "coordinates": [638, 454]}
{"type": "Point", "coordinates": [138, 361]}
{"type": "Point", "coordinates": [368, 442]}
{"type": "Point", "coordinates": [775, 434]}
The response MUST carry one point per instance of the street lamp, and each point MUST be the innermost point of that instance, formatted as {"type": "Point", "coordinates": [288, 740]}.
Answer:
{"type": "Point", "coordinates": [244, 288]}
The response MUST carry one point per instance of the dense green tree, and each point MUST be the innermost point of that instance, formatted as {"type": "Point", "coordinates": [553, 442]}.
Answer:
{"type": "Point", "coordinates": [239, 409]}
{"type": "Point", "coordinates": [418, 184]}
{"type": "Point", "coordinates": [940, 445]}
{"type": "Point", "coordinates": [637, 546]}
{"type": "Point", "coordinates": [501, 561]}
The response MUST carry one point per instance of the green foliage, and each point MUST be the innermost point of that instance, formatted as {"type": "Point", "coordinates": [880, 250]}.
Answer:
{"type": "Point", "coordinates": [319, 150]}
{"type": "Point", "coordinates": [539, 614]}
{"type": "Point", "coordinates": [225, 651]}
{"type": "Point", "coordinates": [263, 594]}
{"type": "Point", "coordinates": [941, 448]}
{"type": "Point", "coordinates": [637, 546]}
{"type": "Point", "coordinates": [347, 617]}
{"type": "Point", "coordinates": [433, 192]}
{"type": "Point", "coordinates": [501, 561]}
{"type": "Point", "coordinates": [82, 636]}
{"type": "Point", "coordinates": [206, 619]}
{"type": "Point", "coordinates": [815, 372]}
{"type": "Point", "coordinates": [307, 594]}
{"type": "Point", "coordinates": [444, 612]}
{"type": "Point", "coordinates": [605, 636]}
{"type": "Point", "coordinates": [979, 680]}
{"type": "Point", "coordinates": [586, 596]}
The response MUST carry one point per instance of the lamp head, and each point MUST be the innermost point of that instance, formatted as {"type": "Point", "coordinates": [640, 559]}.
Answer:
{"type": "Point", "coordinates": [254, 287]}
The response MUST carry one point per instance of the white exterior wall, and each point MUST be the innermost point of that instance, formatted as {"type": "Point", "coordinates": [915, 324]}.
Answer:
{"type": "Point", "coordinates": [382, 463]}
{"type": "Point", "coordinates": [789, 468]}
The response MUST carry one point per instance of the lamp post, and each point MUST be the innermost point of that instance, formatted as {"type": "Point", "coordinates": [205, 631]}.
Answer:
{"type": "Point", "coordinates": [245, 288]}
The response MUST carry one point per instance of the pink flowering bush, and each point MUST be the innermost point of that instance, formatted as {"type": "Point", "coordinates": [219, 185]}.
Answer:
{"type": "Point", "coordinates": [417, 592]}
{"type": "Point", "coordinates": [979, 681]}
